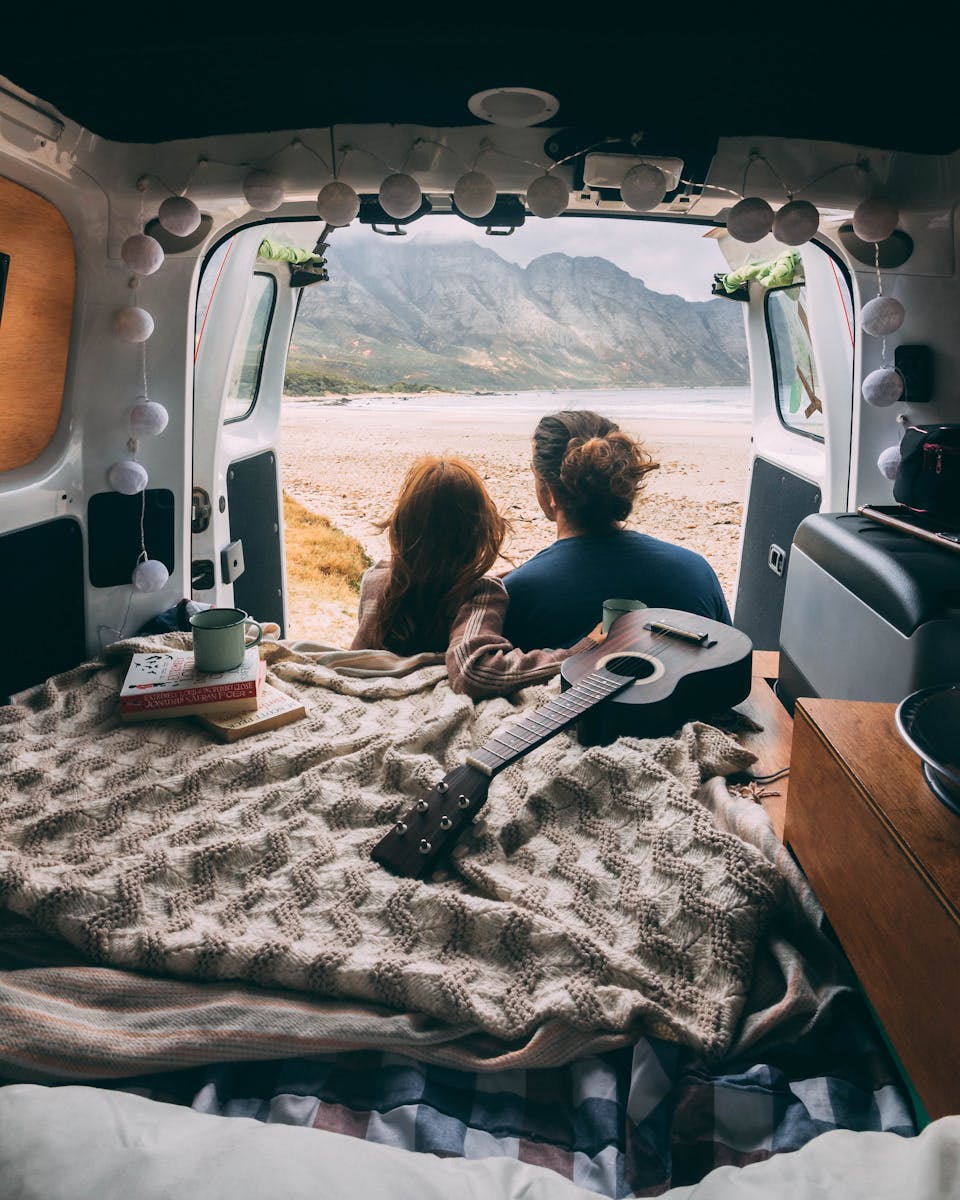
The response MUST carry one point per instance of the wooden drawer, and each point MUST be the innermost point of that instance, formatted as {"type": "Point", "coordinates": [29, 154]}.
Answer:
{"type": "Point", "coordinates": [883, 856]}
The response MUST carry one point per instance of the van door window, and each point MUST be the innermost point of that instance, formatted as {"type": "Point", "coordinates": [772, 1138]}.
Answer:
{"type": "Point", "coordinates": [244, 383]}
{"type": "Point", "coordinates": [795, 376]}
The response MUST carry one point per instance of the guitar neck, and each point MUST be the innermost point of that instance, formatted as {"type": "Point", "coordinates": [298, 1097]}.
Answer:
{"type": "Point", "coordinates": [531, 731]}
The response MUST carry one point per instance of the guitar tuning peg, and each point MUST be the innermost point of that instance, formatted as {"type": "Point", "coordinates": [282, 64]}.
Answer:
{"type": "Point", "coordinates": [445, 822]}
{"type": "Point", "coordinates": [460, 851]}
{"type": "Point", "coordinates": [422, 805]}
{"type": "Point", "coordinates": [400, 828]}
{"type": "Point", "coordinates": [442, 786]}
{"type": "Point", "coordinates": [479, 825]}
{"type": "Point", "coordinates": [462, 801]}
{"type": "Point", "coordinates": [424, 846]}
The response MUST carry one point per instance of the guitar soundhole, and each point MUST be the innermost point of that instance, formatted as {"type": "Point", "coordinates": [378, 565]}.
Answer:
{"type": "Point", "coordinates": [636, 666]}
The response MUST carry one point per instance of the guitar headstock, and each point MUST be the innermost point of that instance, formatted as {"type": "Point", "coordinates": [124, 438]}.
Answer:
{"type": "Point", "coordinates": [425, 836]}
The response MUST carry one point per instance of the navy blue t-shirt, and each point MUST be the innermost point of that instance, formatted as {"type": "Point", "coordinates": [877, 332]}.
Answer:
{"type": "Point", "coordinates": [557, 596]}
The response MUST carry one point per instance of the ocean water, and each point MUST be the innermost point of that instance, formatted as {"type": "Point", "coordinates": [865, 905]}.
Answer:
{"type": "Point", "coordinates": [661, 404]}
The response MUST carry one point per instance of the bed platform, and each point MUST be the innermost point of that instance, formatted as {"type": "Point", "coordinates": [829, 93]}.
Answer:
{"type": "Point", "coordinates": [624, 980]}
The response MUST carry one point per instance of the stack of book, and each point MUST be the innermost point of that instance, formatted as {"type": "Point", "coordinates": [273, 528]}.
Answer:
{"type": "Point", "coordinates": [230, 704]}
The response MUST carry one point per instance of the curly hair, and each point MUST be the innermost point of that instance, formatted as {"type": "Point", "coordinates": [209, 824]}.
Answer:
{"type": "Point", "coordinates": [593, 470]}
{"type": "Point", "coordinates": [445, 533]}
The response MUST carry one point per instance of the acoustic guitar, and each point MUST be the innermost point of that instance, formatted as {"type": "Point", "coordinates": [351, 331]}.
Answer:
{"type": "Point", "coordinates": [657, 669]}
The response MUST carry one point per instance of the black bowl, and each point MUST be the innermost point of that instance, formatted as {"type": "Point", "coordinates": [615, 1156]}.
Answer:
{"type": "Point", "coordinates": [929, 722]}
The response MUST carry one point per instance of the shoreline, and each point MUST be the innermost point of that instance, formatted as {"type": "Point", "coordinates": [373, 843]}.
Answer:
{"type": "Point", "coordinates": [347, 463]}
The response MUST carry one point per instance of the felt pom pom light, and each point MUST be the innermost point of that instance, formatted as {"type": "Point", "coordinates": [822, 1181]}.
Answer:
{"type": "Point", "coordinates": [750, 220]}
{"type": "Point", "coordinates": [643, 187]}
{"type": "Point", "coordinates": [263, 190]}
{"type": "Point", "coordinates": [796, 223]}
{"type": "Point", "coordinates": [148, 418]}
{"type": "Point", "coordinates": [882, 315]}
{"type": "Point", "coordinates": [400, 195]}
{"type": "Point", "coordinates": [142, 254]}
{"type": "Point", "coordinates": [874, 220]}
{"type": "Point", "coordinates": [179, 216]}
{"type": "Point", "coordinates": [337, 203]}
{"type": "Point", "coordinates": [889, 461]}
{"type": "Point", "coordinates": [133, 324]}
{"type": "Point", "coordinates": [547, 196]}
{"type": "Point", "coordinates": [127, 477]}
{"type": "Point", "coordinates": [474, 194]}
{"type": "Point", "coordinates": [150, 576]}
{"type": "Point", "coordinates": [883, 387]}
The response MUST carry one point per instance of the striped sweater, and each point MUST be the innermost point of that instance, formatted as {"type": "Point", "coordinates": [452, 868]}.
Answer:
{"type": "Point", "coordinates": [480, 660]}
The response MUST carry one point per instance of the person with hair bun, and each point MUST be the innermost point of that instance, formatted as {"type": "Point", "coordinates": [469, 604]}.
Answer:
{"type": "Point", "coordinates": [434, 593]}
{"type": "Point", "coordinates": [588, 475]}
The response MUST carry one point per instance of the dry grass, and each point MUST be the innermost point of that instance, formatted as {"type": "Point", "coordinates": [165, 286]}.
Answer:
{"type": "Point", "coordinates": [324, 567]}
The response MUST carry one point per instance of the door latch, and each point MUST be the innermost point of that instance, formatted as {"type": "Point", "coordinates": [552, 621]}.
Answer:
{"type": "Point", "coordinates": [200, 511]}
{"type": "Point", "coordinates": [231, 561]}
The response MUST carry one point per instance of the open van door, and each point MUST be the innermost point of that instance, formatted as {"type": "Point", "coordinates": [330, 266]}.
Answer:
{"type": "Point", "coordinates": [800, 344]}
{"type": "Point", "coordinates": [245, 312]}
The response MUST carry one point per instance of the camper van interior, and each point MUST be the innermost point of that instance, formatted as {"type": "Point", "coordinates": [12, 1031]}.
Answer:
{"type": "Point", "coordinates": [719, 961]}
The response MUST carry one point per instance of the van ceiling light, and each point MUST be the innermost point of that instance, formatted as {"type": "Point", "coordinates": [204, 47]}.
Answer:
{"type": "Point", "coordinates": [608, 170]}
{"type": "Point", "coordinates": [513, 107]}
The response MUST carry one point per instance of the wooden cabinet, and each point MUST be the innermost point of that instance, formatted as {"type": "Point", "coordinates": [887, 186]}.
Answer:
{"type": "Point", "coordinates": [883, 856]}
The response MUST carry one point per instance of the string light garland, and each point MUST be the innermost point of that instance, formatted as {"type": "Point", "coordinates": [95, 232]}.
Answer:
{"type": "Point", "coordinates": [179, 216]}
{"type": "Point", "coordinates": [874, 220]}
{"type": "Point", "coordinates": [263, 190]}
{"type": "Point", "coordinates": [547, 196]}
{"type": "Point", "coordinates": [643, 187]}
{"type": "Point", "coordinates": [146, 418]}
{"type": "Point", "coordinates": [750, 220]}
{"type": "Point", "coordinates": [400, 195]}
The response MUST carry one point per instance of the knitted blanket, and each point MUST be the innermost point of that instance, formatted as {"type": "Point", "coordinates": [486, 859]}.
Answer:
{"type": "Point", "coordinates": [601, 893]}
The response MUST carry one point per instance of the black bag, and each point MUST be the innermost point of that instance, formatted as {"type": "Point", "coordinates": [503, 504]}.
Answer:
{"type": "Point", "coordinates": [928, 478]}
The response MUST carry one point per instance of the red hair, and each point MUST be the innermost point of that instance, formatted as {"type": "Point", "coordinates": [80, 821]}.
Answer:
{"type": "Point", "coordinates": [445, 533]}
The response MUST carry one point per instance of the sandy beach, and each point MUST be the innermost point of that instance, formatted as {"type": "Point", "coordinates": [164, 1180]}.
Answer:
{"type": "Point", "coordinates": [347, 463]}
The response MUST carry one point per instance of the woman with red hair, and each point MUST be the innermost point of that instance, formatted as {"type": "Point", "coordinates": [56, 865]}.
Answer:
{"type": "Point", "coordinates": [434, 593]}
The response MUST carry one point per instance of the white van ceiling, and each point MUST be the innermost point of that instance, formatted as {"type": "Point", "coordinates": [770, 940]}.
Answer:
{"type": "Point", "coordinates": [683, 81]}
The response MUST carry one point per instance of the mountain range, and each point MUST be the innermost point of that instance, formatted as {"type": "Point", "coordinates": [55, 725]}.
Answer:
{"type": "Point", "coordinates": [456, 317]}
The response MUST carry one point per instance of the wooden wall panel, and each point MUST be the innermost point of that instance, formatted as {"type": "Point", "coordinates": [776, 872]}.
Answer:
{"type": "Point", "coordinates": [34, 323]}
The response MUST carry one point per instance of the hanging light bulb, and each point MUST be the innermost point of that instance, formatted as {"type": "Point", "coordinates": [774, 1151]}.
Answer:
{"type": "Point", "coordinates": [874, 220]}
{"type": "Point", "coordinates": [142, 254]}
{"type": "Point", "coordinates": [796, 223]}
{"type": "Point", "coordinates": [148, 418]}
{"type": "Point", "coordinates": [179, 216]}
{"type": "Point", "coordinates": [547, 196]}
{"type": "Point", "coordinates": [883, 387]}
{"type": "Point", "coordinates": [643, 187]}
{"type": "Point", "coordinates": [882, 315]}
{"type": "Point", "coordinates": [889, 462]}
{"type": "Point", "coordinates": [474, 194]}
{"type": "Point", "coordinates": [750, 220]}
{"type": "Point", "coordinates": [263, 190]}
{"type": "Point", "coordinates": [127, 477]}
{"type": "Point", "coordinates": [337, 203]}
{"type": "Point", "coordinates": [133, 324]}
{"type": "Point", "coordinates": [400, 195]}
{"type": "Point", "coordinates": [150, 576]}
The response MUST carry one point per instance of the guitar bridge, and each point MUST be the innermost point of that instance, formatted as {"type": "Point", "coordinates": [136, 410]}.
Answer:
{"type": "Point", "coordinates": [687, 635]}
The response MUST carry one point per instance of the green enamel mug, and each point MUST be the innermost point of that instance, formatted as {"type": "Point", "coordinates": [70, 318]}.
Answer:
{"type": "Point", "coordinates": [220, 638]}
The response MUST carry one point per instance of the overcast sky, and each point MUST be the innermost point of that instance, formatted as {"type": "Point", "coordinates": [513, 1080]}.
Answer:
{"type": "Point", "coordinates": [669, 257]}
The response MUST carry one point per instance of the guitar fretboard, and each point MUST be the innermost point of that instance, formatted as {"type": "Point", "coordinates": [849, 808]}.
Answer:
{"type": "Point", "coordinates": [513, 742]}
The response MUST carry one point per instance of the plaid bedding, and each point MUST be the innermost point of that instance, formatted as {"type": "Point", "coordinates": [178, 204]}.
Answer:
{"type": "Point", "coordinates": [630, 1122]}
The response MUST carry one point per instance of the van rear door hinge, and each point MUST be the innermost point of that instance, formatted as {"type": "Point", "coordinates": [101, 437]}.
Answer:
{"type": "Point", "coordinates": [200, 511]}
